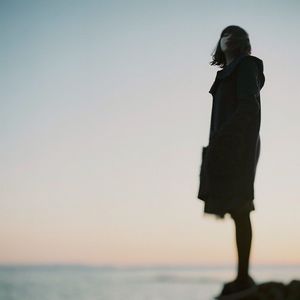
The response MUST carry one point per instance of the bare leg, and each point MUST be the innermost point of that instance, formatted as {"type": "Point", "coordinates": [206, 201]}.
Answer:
{"type": "Point", "coordinates": [243, 242]}
{"type": "Point", "coordinates": [243, 281]}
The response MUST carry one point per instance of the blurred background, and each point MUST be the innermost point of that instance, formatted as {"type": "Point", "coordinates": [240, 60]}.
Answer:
{"type": "Point", "coordinates": [104, 110]}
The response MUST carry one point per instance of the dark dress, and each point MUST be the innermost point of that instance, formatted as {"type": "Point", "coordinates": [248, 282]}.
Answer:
{"type": "Point", "coordinates": [229, 161]}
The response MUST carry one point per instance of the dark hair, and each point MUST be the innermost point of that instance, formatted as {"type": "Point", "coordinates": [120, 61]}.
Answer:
{"type": "Point", "coordinates": [239, 42]}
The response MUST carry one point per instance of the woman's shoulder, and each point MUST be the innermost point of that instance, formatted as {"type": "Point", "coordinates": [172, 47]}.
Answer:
{"type": "Point", "coordinates": [251, 60]}
{"type": "Point", "coordinates": [251, 66]}
{"type": "Point", "coordinates": [250, 57]}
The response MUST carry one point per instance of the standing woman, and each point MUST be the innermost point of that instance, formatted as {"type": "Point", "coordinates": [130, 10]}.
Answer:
{"type": "Point", "coordinates": [229, 161]}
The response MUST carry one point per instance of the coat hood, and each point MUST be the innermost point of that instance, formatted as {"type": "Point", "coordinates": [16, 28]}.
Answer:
{"type": "Point", "coordinates": [227, 70]}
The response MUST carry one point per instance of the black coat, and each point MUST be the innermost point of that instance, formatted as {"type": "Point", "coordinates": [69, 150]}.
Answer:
{"type": "Point", "coordinates": [229, 161]}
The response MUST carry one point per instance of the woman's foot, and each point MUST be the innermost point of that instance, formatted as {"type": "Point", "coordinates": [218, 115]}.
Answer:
{"type": "Point", "coordinates": [237, 289]}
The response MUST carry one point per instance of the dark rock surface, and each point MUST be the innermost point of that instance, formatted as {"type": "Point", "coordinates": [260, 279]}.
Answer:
{"type": "Point", "coordinates": [277, 291]}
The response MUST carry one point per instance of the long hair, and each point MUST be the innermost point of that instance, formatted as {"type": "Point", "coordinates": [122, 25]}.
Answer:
{"type": "Point", "coordinates": [239, 44]}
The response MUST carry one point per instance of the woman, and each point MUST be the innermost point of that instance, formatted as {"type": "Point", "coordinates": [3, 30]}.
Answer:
{"type": "Point", "coordinates": [229, 161]}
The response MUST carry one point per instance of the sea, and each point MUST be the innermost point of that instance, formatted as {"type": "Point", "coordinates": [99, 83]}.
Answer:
{"type": "Point", "coordinates": [79, 282]}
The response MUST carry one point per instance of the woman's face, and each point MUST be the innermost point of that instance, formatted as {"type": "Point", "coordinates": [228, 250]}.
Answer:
{"type": "Point", "coordinates": [225, 42]}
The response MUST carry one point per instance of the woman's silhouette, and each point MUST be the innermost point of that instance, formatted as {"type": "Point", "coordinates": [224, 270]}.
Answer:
{"type": "Point", "coordinates": [229, 161]}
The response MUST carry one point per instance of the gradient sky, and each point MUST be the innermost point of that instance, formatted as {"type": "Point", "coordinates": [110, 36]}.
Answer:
{"type": "Point", "coordinates": [105, 108]}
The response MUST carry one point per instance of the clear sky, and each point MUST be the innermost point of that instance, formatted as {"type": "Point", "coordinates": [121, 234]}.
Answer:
{"type": "Point", "coordinates": [104, 110]}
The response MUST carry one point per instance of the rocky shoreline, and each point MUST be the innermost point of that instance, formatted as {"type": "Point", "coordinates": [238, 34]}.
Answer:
{"type": "Point", "coordinates": [276, 291]}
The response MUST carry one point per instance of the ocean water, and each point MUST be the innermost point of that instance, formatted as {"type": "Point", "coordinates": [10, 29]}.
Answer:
{"type": "Point", "coordinates": [130, 283]}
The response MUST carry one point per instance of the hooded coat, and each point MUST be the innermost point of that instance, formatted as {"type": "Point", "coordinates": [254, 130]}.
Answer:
{"type": "Point", "coordinates": [228, 167]}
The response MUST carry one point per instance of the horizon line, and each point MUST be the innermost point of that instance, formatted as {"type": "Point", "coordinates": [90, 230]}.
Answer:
{"type": "Point", "coordinates": [144, 266]}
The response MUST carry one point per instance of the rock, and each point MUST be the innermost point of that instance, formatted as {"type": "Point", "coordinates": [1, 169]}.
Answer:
{"type": "Point", "coordinates": [276, 291]}
{"type": "Point", "coordinates": [293, 290]}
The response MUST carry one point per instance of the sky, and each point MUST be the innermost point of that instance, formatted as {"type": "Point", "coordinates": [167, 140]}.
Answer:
{"type": "Point", "coordinates": [104, 111]}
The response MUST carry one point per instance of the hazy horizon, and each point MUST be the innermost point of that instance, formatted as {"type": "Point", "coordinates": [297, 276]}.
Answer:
{"type": "Point", "coordinates": [146, 266]}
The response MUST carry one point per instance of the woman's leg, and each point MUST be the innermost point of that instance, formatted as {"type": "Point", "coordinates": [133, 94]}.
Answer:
{"type": "Point", "coordinates": [243, 281]}
{"type": "Point", "coordinates": [243, 242]}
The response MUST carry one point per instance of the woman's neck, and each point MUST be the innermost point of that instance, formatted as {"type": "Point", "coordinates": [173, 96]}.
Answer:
{"type": "Point", "coordinates": [229, 58]}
